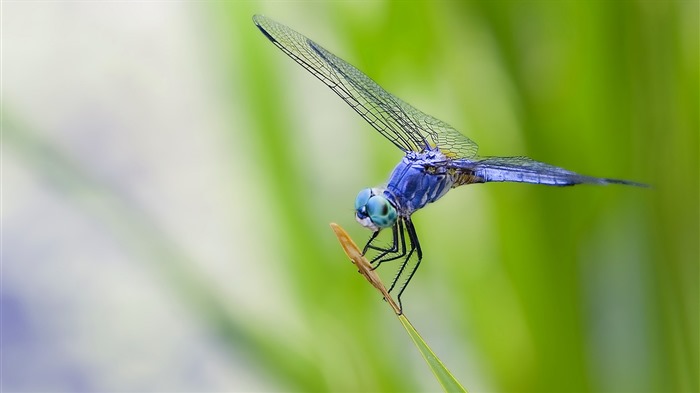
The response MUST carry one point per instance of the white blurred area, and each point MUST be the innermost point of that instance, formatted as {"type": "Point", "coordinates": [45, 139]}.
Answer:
{"type": "Point", "coordinates": [121, 91]}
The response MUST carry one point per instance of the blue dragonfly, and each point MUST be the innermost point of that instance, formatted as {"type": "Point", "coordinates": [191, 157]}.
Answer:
{"type": "Point", "coordinates": [437, 156]}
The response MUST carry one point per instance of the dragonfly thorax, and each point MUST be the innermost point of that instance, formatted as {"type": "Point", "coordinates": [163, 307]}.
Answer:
{"type": "Point", "coordinates": [373, 210]}
{"type": "Point", "coordinates": [419, 179]}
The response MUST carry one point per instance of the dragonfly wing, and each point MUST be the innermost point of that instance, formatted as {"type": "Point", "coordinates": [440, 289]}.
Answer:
{"type": "Point", "coordinates": [405, 126]}
{"type": "Point", "coordinates": [523, 170]}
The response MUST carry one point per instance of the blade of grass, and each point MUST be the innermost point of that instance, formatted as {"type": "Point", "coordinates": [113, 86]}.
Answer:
{"type": "Point", "coordinates": [442, 374]}
{"type": "Point", "coordinates": [363, 266]}
{"type": "Point", "coordinates": [448, 382]}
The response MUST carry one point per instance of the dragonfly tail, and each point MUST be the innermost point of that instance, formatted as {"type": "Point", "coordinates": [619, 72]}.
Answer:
{"type": "Point", "coordinates": [526, 170]}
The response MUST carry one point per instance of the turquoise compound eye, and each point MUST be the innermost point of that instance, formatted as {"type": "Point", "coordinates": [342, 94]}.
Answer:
{"type": "Point", "coordinates": [381, 212]}
{"type": "Point", "coordinates": [361, 200]}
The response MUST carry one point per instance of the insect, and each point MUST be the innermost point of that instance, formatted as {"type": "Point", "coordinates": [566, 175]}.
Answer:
{"type": "Point", "coordinates": [437, 156]}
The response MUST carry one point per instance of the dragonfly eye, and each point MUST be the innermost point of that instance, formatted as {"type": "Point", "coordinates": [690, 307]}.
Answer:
{"type": "Point", "coordinates": [373, 210]}
{"type": "Point", "coordinates": [361, 201]}
{"type": "Point", "coordinates": [380, 211]}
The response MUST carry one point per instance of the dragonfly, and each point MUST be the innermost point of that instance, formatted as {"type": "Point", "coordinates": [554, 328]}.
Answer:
{"type": "Point", "coordinates": [437, 156]}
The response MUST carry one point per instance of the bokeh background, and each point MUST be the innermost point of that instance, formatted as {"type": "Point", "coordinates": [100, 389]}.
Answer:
{"type": "Point", "coordinates": [169, 175]}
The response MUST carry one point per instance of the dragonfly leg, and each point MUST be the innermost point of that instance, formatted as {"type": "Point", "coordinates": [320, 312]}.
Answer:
{"type": "Point", "coordinates": [369, 243]}
{"type": "Point", "coordinates": [397, 250]}
{"type": "Point", "coordinates": [415, 246]}
{"type": "Point", "coordinates": [399, 241]}
{"type": "Point", "coordinates": [407, 258]}
{"type": "Point", "coordinates": [384, 251]}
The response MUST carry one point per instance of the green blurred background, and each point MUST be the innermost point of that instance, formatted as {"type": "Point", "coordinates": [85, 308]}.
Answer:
{"type": "Point", "coordinates": [169, 177]}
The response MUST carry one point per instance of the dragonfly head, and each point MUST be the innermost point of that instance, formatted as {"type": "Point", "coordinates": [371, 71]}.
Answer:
{"type": "Point", "coordinates": [373, 210]}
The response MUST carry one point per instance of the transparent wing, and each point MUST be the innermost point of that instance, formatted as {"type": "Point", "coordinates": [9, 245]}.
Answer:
{"type": "Point", "coordinates": [523, 170]}
{"type": "Point", "coordinates": [405, 126]}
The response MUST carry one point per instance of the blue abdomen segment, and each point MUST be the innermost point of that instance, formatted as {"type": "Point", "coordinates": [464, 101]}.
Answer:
{"type": "Point", "coordinates": [411, 186]}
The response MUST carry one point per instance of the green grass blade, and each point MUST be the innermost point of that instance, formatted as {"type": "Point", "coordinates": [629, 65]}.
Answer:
{"type": "Point", "coordinates": [442, 374]}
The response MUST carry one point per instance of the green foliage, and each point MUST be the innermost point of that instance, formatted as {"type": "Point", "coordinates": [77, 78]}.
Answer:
{"type": "Point", "coordinates": [574, 289]}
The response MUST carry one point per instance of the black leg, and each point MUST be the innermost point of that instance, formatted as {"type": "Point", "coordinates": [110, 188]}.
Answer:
{"type": "Point", "coordinates": [398, 250]}
{"type": "Point", "coordinates": [399, 241]}
{"type": "Point", "coordinates": [382, 250]}
{"type": "Point", "coordinates": [399, 238]}
{"type": "Point", "coordinates": [369, 243]}
{"type": "Point", "coordinates": [414, 247]}
{"type": "Point", "coordinates": [406, 259]}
